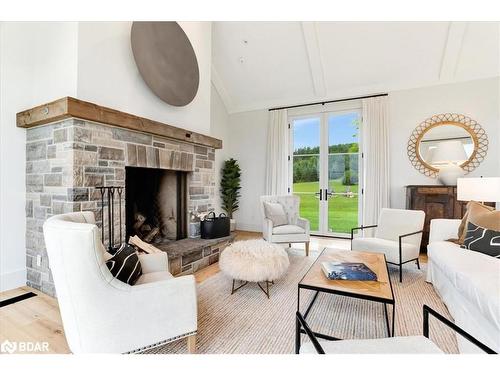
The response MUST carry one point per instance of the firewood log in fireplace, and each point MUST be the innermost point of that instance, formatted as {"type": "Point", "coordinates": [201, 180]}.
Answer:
{"type": "Point", "coordinates": [144, 230]}
{"type": "Point", "coordinates": [150, 236]}
{"type": "Point", "coordinates": [140, 219]}
{"type": "Point", "coordinates": [144, 246]}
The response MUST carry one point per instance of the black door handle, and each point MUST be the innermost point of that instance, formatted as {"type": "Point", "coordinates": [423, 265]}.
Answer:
{"type": "Point", "coordinates": [320, 193]}
{"type": "Point", "coordinates": [327, 194]}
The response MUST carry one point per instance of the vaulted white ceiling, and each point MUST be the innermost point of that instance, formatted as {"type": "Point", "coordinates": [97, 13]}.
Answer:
{"type": "Point", "coordinates": [259, 65]}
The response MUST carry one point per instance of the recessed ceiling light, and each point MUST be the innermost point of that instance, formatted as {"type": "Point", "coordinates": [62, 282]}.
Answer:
{"type": "Point", "coordinates": [241, 60]}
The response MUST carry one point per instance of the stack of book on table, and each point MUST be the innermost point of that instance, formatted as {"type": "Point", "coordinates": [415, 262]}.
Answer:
{"type": "Point", "coordinates": [348, 271]}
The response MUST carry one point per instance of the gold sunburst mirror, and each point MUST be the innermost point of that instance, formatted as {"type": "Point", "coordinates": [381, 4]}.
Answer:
{"type": "Point", "coordinates": [447, 145]}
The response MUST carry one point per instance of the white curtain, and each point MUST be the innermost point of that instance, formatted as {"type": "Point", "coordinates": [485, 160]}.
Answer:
{"type": "Point", "coordinates": [277, 153]}
{"type": "Point", "coordinates": [376, 158]}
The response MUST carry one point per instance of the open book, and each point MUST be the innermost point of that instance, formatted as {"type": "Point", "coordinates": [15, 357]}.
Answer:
{"type": "Point", "coordinates": [348, 271]}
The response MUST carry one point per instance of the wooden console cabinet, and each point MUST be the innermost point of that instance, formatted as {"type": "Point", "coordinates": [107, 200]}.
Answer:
{"type": "Point", "coordinates": [438, 202]}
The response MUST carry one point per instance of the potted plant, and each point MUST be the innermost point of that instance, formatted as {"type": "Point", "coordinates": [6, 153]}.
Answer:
{"type": "Point", "coordinates": [229, 188]}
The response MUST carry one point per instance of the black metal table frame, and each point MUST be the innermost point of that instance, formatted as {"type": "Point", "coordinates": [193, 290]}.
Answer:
{"type": "Point", "coordinates": [299, 331]}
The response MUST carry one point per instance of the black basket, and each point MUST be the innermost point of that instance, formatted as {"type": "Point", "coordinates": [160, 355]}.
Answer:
{"type": "Point", "coordinates": [215, 227]}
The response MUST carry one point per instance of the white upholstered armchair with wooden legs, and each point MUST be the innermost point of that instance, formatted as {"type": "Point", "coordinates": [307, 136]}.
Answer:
{"type": "Point", "coordinates": [101, 314]}
{"type": "Point", "coordinates": [397, 235]}
{"type": "Point", "coordinates": [289, 229]}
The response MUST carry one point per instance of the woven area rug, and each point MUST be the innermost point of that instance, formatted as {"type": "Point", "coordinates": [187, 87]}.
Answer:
{"type": "Point", "coordinates": [249, 323]}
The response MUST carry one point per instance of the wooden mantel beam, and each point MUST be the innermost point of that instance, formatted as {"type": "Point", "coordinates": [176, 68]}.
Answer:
{"type": "Point", "coordinates": [70, 107]}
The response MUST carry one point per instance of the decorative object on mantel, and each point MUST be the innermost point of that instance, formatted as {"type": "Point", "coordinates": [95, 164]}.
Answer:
{"type": "Point", "coordinates": [194, 223]}
{"type": "Point", "coordinates": [229, 189]}
{"type": "Point", "coordinates": [69, 107]}
{"type": "Point", "coordinates": [433, 147]}
{"type": "Point", "coordinates": [213, 226]}
{"type": "Point", "coordinates": [166, 61]}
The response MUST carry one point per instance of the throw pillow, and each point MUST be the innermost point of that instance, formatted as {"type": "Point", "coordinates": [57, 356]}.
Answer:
{"type": "Point", "coordinates": [125, 265]}
{"type": "Point", "coordinates": [478, 213]}
{"type": "Point", "coordinates": [276, 213]}
{"type": "Point", "coordinates": [483, 240]}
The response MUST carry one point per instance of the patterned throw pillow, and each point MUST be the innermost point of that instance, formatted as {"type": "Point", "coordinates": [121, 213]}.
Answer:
{"type": "Point", "coordinates": [481, 215]}
{"type": "Point", "coordinates": [125, 265]}
{"type": "Point", "coordinates": [483, 240]}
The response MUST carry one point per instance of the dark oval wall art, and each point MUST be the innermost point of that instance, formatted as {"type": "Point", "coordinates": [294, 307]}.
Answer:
{"type": "Point", "coordinates": [166, 60]}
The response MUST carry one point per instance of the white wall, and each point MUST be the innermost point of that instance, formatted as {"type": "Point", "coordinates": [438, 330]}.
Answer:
{"type": "Point", "coordinates": [248, 143]}
{"type": "Point", "coordinates": [219, 128]}
{"type": "Point", "coordinates": [108, 75]}
{"type": "Point", "coordinates": [477, 99]}
{"type": "Point", "coordinates": [37, 65]}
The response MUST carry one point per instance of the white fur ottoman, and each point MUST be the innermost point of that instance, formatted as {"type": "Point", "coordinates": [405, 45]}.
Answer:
{"type": "Point", "coordinates": [254, 261]}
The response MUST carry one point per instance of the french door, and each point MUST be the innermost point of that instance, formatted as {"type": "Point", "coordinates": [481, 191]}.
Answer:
{"type": "Point", "coordinates": [325, 170]}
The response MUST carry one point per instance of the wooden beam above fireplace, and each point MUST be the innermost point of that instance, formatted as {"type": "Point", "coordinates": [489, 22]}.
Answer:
{"type": "Point", "coordinates": [70, 107]}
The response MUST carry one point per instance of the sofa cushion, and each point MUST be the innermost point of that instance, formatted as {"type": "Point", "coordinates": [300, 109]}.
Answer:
{"type": "Point", "coordinates": [387, 247]}
{"type": "Point", "coordinates": [124, 265]}
{"type": "Point", "coordinates": [276, 213]}
{"type": "Point", "coordinates": [390, 345]}
{"type": "Point", "coordinates": [483, 240]}
{"type": "Point", "coordinates": [288, 229]}
{"type": "Point", "coordinates": [151, 277]}
{"type": "Point", "coordinates": [474, 275]}
{"type": "Point", "coordinates": [479, 214]}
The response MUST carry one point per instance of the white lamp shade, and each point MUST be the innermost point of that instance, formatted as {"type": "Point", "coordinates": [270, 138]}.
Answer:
{"type": "Point", "coordinates": [482, 189]}
{"type": "Point", "coordinates": [430, 153]}
{"type": "Point", "coordinates": [449, 152]}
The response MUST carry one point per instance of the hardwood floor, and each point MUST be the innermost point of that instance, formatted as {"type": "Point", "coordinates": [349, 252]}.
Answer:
{"type": "Point", "coordinates": [37, 319]}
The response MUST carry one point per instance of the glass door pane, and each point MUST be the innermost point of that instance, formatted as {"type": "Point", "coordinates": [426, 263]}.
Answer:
{"type": "Point", "coordinates": [343, 171]}
{"type": "Point", "coordinates": [306, 167]}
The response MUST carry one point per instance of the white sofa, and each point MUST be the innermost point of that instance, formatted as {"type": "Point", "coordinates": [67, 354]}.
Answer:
{"type": "Point", "coordinates": [297, 230]}
{"type": "Point", "coordinates": [468, 283]}
{"type": "Point", "coordinates": [101, 314]}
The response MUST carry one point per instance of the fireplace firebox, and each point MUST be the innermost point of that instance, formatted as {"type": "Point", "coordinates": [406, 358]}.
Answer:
{"type": "Point", "coordinates": [156, 204]}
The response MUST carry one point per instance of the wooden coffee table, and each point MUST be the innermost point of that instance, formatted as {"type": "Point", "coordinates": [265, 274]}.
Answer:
{"type": "Point", "coordinates": [376, 291]}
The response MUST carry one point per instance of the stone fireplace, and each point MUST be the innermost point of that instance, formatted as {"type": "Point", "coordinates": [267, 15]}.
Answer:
{"type": "Point", "coordinates": [68, 157]}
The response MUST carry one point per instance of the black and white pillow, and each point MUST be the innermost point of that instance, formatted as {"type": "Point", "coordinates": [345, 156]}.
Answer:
{"type": "Point", "coordinates": [125, 265]}
{"type": "Point", "coordinates": [483, 240]}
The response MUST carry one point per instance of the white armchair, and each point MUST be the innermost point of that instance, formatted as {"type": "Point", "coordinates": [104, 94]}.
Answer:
{"type": "Point", "coordinates": [297, 229]}
{"type": "Point", "coordinates": [398, 235]}
{"type": "Point", "coordinates": [103, 315]}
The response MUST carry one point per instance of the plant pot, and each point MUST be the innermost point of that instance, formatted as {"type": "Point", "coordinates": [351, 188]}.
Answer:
{"type": "Point", "coordinates": [232, 225]}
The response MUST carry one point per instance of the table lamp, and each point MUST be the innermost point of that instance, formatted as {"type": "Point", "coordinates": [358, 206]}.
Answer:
{"type": "Point", "coordinates": [479, 189]}
{"type": "Point", "coordinates": [447, 157]}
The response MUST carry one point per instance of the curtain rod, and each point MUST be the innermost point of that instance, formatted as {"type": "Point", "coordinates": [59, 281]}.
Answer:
{"type": "Point", "coordinates": [328, 101]}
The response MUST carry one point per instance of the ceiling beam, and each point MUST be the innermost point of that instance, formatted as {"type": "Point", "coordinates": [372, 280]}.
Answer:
{"type": "Point", "coordinates": [314, 53]}
{"type": "Point", "coordinates": [221, 89]}
{"type": "Point", "coordinates": [452, 50]}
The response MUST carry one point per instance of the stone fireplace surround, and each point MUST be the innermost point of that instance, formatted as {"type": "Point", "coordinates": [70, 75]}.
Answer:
{"type": "Point", "coordinates": [67, 159]}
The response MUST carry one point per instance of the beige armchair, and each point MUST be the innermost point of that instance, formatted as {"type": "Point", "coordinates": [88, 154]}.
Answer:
{"type": "Point", "coordinates": [295, 230]}
{"type": "Point", "coordinates": [397, 235]}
